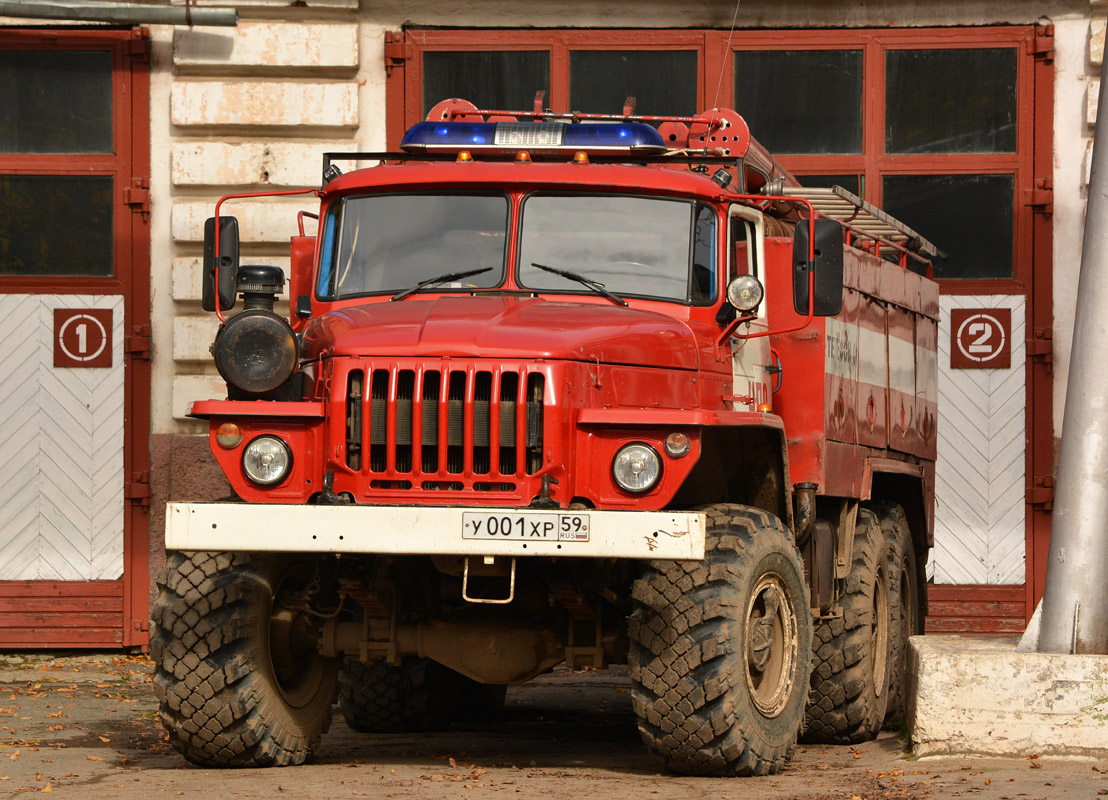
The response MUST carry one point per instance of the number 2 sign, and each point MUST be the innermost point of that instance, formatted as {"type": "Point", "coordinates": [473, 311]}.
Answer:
{"type": "Point", "coordinates": [82, 337]}
{"type": "Point", "coordinates": [981, 338]}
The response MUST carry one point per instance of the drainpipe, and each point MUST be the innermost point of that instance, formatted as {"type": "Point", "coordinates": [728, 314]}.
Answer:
{"type": "Point", "coordinates": [1075, 602]}
{"type": "Point", "coordinates": [119, 13]}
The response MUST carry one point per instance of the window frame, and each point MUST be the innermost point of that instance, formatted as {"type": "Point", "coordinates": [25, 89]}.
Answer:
{"type": "Point", "coordinates": [116, 164]}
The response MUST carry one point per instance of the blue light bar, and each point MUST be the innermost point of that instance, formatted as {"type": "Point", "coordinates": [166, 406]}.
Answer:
{"type": "Point", "coordinates": [506, 138]}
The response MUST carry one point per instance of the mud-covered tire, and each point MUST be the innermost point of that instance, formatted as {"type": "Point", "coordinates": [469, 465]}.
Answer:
{"type": "Point", "coordinates": [850, 674]}
{"type": "Point", "coordinates": [721, 649]}
{"type": "Point", "coordinates": [238, 682]}
{"type": "Point", "coordinates": [904, 589]}
{"type": "Point", "coordinates": [380, 697]}
{"type": "Point", "coordinates": [416, 695]}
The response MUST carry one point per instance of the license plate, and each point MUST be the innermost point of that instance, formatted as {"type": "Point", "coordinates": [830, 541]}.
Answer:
{"type": "Point", "coordinates": [530, 526]}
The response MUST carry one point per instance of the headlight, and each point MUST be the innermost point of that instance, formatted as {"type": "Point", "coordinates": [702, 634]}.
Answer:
{"type": "Point", "coordinates": [255, 351]}
{"type": "Point", "coordinates": [266, 460]}
{"type": "Point", "coordinates": [636, 467]}
{"type": "Point", "coordinates": [745, 292]}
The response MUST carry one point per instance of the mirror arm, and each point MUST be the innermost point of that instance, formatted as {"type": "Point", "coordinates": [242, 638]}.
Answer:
{"type": "Point", "coordinates": [215, 241]}
{"type": "Point", "coordinates": [811, 308]}
{"type": "Point", "coordinates": [729, 331]}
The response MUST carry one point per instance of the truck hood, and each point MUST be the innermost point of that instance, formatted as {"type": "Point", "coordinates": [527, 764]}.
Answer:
{"type": "Point", "coordinates": [503, 327]}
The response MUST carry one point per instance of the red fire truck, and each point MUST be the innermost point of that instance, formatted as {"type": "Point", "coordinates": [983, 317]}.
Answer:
{"type": "Point", "coordinates": [560, 388]}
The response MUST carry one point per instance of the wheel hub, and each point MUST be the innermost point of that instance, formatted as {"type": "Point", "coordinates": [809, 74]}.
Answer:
{"type": "Point", "coordinates": [770, 647]}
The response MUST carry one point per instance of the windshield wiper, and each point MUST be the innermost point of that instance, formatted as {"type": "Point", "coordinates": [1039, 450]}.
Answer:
{"type": "Point", "coordinates": [450, 276]}
{"type": "Point", "coordinates": [596, 286]}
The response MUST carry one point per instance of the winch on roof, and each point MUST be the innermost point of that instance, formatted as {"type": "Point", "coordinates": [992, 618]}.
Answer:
{"type": "Point", "coordinates": [506, 138]}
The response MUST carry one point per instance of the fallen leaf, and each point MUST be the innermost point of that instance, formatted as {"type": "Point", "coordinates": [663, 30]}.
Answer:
{"type": "Point", "coordinates": [94, 758]}
{"type": "Point", "coordinates": [14, 755]}
{"type": "Point", "coordinates": [54, 716]}
{"type": "Point", "coordinates": [988, 781]}
{"type": "Point", "coordinates": [104, 739]}
{"type": "Point", "coordinates": [47, 788]}
{"type": "Point", "coordinates": [453, 763]}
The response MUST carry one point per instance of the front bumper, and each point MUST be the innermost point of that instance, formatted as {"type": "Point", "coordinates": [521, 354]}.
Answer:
{"type": "Point", "coordinates": [422, 530]}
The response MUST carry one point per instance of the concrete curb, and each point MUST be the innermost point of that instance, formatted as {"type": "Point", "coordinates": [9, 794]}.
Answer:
{"type": "Point", "coordinates": [972, 696]}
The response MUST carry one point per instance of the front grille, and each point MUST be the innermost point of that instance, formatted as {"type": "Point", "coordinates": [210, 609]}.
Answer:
{"type": "Point", "coordinates": [446, 428]}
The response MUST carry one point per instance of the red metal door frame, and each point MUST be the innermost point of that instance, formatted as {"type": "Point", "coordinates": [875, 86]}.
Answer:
{"type": "Point", "coordinates": [110, 613]}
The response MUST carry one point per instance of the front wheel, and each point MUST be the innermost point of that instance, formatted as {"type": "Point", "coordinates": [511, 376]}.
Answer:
{"type": "Point", "coordinates": [721, 649]}
{"type": "Point", "coordinates": [238, 676]}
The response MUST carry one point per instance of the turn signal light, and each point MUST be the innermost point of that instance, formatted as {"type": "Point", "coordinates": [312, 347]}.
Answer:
{"type": "Point", "coordinates": [464, 157]}
{"type": "Point", "coordinates": [228, 435]}
{"type": "Point", "coordinates": [581, 157]}
{"type": "Point", "coordinates": [765, 408]}
{"type": "Point", "coordinates": [523, 156]}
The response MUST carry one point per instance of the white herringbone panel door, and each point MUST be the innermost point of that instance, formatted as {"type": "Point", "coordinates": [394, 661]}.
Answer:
{"type": "Point", "coordinates": [979, 476]}
{"type": "Point", "coordinates": [61, 466]}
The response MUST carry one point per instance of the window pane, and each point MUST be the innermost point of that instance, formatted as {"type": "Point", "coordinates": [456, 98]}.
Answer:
{"type": "Point", "coordinates": [55, 225]}
{"type": "Point", "coordinates": [505, 81]}
{"type": "Point", "coordinates": [661, 81]}
{"type": "Point", "coordinates": [801, 101]}
{"type": "Point", "coordinates": [968, 217]}
{"type": "Point", "coordinates": [385, 243]}
{"type": "Point", "coordinates": [849, 182]}
{"type": "Point", "coordinates": [55, 102]}
{"type": "Point", "coordinates": [950, 101]}
{"type": "Point", "coordinates": [631, 245]}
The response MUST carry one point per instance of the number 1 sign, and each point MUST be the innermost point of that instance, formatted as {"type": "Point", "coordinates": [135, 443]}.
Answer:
{"type": "Point", "coordinates": [82, 337]}
{"type": "Point", "coordinates": [981, 338]}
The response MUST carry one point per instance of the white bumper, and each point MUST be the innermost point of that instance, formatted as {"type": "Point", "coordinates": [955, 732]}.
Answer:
{"type": "Point", "coordinates": [410, 530]}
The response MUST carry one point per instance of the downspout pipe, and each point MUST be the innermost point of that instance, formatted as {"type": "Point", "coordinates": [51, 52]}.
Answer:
{"type": "Point", "coordinates": [118, 13]}
{"type": "Point", "coordinates": [1075, 601]}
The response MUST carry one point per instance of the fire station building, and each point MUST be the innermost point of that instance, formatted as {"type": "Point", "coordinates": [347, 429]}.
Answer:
{"type": "Point", "coordinates": [970, 121]}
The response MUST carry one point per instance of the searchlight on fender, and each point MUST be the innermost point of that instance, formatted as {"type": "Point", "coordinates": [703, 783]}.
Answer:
{"type": "Point", "coordinates": [508, 138]}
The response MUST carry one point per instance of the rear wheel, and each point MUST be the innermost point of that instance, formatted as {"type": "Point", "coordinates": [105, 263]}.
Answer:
{"type": "Point", "coordinates": [850, 676]}
{"type": "Point", "coordinates": [905, 589]}
{"type": "Point", "coordinates": [238, 675]}
{"type": "Point", "coordinates": [720, 650]}
{"type": "Point", "coordinates": [416, 695]}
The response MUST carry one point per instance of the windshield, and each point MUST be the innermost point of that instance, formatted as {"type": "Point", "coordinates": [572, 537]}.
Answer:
{"type": "Point", "coordinates": [645, 246]}
{"type": "Point", "coordinates": [388, 243]}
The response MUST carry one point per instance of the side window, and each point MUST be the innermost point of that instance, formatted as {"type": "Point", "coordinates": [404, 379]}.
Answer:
{"type": "Point", "coordinates": [704, 257]}
{"type": "Point", "coordinates": [742, 249]}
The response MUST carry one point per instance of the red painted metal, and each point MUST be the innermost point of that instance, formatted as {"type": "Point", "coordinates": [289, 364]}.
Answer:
{"type": "Point", "coordinates": [1040, 407]}
{"type": "Point", "coordinates": [129, 165]}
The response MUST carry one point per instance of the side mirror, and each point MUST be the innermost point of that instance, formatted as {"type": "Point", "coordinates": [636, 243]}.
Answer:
{"type": "Point", "coordinates": [228, 260]}
{"type": "Point", "coordinates": [828, 266]}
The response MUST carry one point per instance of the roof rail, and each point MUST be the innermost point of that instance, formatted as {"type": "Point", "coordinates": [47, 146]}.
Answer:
{"type": "Point", "coordinates": [865, 218]}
